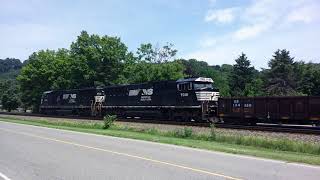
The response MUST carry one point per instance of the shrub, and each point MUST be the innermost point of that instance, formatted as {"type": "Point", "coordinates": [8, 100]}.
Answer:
{"type": "Point", "coordinates": [108, 121]}
{"type": "Point", "coordinates": [187, 132]}
{"type": "Point", "coordinates": [178, 133]}
{"type": "Point", "coordinates": [153, 131]}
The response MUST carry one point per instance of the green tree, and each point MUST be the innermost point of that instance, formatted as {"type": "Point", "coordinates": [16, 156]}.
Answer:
{"type": "Point", "coordinates": [4, 86]}
{"type": "Point", "coordinates": [9, 64]}
{"type": "Point", "coordinates": [143, 71]}
{"type": "Point", "coordinates": [195, 68]}
{"type": "Point", "coordinates": [9, 88]}
{"type": "Point", "coordinates": [10, 101]}
{"type": "Point", "coordinates": [45, 70]}
{"type": "Point", "coordinates": [243, 73]}
{"type": "Point", "coordinates": [281, 79]}
{"type": "Point", "coordinates": [152, 64]}
{"type": "Point", "coordinates": [9, 95]}
{"type": "Point", "coordinates": [9, 68]}
{"type": "Point", "coordinates": [36, 77]}
{"type": "Point", "coordinates": [254, 88]}
{"type": "Point", "coordinates": [97, 61]}
{"type": "Point", "coordinates": [149, 53]}
{"type": "Point", "coordinates": [307, 76]}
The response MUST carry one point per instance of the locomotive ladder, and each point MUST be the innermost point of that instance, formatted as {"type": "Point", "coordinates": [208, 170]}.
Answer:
{"type": "Point", "coordinates": [96, 108]}
{"type": "Point", "coordinates": [96, 105]}
{"type": "Point", "coordinates": [205, 110]}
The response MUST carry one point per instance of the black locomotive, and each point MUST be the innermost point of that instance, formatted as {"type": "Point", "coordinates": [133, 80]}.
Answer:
{"type": "Point", "coordinates": [193, 99]}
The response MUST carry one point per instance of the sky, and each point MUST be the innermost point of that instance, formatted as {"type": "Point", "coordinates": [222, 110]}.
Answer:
{"type": "Point", "coordinates": [215, 31]}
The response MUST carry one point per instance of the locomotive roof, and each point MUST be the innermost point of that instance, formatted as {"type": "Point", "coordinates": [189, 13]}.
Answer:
{"type": "Point", "coordinates": [87, 88]}
{"type": "Point", "coordinates": [198, 79]}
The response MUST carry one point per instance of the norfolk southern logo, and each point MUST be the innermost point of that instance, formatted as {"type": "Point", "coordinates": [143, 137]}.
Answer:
{"type": "Point", "coordinates": [144, 93]}
{"type": "Point", "coordinates": [70, 98]}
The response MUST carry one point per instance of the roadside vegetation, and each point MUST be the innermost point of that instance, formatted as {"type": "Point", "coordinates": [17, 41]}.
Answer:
{"type": "Point", "coordinates": [282, 149]}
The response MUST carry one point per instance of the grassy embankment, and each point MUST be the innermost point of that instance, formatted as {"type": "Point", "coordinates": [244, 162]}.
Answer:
{"type": "Point", "coordinates": [281, 149]}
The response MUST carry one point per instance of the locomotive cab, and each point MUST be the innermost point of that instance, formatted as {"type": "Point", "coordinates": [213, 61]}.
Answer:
{"type": "Point", "coordinates": [199, 89]}
{"type": "Point", "coordinates": [199, 92]}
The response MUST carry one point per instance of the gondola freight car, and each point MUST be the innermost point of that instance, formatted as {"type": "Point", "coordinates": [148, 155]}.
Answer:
{"type": "Point", "coordinates": [280, 110]}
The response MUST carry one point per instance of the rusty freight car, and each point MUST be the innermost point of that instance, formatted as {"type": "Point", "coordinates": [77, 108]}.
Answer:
{"type": "Point", "coordinates": [286, 110]}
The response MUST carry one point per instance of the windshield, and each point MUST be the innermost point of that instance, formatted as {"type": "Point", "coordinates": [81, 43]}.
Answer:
{"type": "Point", "coordinates": [202, 86]}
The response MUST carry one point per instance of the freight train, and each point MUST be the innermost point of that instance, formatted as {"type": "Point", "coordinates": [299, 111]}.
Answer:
{"type": "Point", "coordinates": [191, 99]}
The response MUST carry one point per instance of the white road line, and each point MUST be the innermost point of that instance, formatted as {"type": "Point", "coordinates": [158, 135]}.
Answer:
{"type": "Point", "coordinates": [4, 176]}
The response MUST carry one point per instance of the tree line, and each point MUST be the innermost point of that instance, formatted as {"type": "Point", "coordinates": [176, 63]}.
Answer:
{"type": "Point", "coordinates": [93, 61]}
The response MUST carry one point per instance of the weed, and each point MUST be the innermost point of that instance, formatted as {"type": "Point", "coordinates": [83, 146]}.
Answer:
{"type": "Point", "coordinates": [212, 131]}
{"type": "Point", "coordinates": [187, 132]}
{"type": "Point", "coordinates": [153, 131]}
{"type": "Point", "coordinates": [108, 121]}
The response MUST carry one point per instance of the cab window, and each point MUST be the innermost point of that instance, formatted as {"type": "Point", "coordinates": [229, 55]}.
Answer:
{"type": "Point", "coordinates": [184, 86]}
{"type": "Point", "coordinates": [200, 86]}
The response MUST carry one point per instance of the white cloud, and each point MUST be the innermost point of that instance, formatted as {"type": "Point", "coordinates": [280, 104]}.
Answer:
{"type": "Point", "coordinates": [219, 55]}
{"type": "Point", "coordinates": [264, 15]}
{"type": "Point", "coordinates": [263, 27]}
{"type": "Point", "coordinates": [302, 45]}
{"type": "Point", "coordinates": [212, 2]}
{"type": "Point", "coordinates": [208, 42]}
{"type": "Point", "coordinates": [250, 31]}
{"type": "Point", "coordinates": [306, 14]}
{"type": "Point", "coordinates": [221, 15]}
{"type": "Point", "coordinates": [270, 15]}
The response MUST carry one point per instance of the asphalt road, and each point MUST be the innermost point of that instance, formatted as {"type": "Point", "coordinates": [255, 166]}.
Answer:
{"type": "Point", "coordinates": [28, 152]}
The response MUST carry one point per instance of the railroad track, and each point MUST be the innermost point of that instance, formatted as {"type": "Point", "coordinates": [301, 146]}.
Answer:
{"type": "Point", "coordinates": [259, 127]}
{"type": "Point", "coordinates": [274, 128]}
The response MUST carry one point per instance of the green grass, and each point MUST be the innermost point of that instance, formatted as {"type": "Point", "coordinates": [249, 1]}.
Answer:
{"type": "Point", "coordinates": [282, 149]}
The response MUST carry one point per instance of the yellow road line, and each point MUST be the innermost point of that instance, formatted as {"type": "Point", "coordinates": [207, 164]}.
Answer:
{"type": "Point", "coordinates": [124, 154]}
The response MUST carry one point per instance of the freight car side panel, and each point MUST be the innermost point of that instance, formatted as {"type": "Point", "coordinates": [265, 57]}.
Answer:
{"type": "Point", "coordinates": [292, 110]}
{"type": "Point", "coordinates": [237, 109]}
{"type": "Point", "coordinates": [260, 108]}
{"type": "Point", "coordinates": [248, 108]}
{"type": "Point", "coordinates": [272, 109]}
{"type": "Point", "coordinates": [300, 109]}
{"type": "Point", "coordinates": [314, 109]}
{"type": "Point", "coordinates": [285, 108]}
{"type": "Point", "coordinates": [230, 109]}
{"type": "Point", "coordinates": [223, 108]}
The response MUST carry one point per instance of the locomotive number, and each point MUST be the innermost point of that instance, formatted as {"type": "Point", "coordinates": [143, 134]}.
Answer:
{"type": "Point", "coordinates": [184, 94]}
